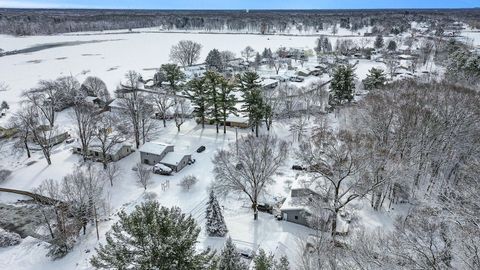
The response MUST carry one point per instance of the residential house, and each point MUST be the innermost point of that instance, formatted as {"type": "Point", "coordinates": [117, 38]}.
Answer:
{"type": "Point", "coordinates": [176, 160]}
{"type": "Point", "coordinates": [152, 153]}
{"type": "Point", "coordinates": [94, 151]}
{"type": "Point", "coordinates": [305, 202]}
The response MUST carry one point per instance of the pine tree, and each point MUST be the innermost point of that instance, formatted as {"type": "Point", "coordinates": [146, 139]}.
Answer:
{"type": "Point", "coordinates": [342, 83]}
{"type": "Point", "coordinates": [199, 97]}
{"type": "Point", "coordinates": [172, 74]}
{"type": "Point", "coordinates": [214, 60]}
{"type": "Point", "coordinates": [253, 99]}
{"type": "Point", "coordinates": [215, 226]}
{"type": "Point", "coordinates": [282, 264]}
{"type": "Point", "coordinates": [392, 45]}
{"type": "Point", "coordinates": [229, 259]}
{"type": "Point", "coordinates": [152, 238]}
{"type": "Point", "coordinates": [226, 101]}
{"type": "Point", "coordinates": [4, 106]}
{"type": "Point", "coordinates": [376, 78]}
{"type": "Point", "coordinates": [258, 61]}
{"type": "Point", "coordinates": [263, 261]}
{"type": "Point", "coordinates": [379, 43]}
{"type": "Point", "coordinates": [212, 81]}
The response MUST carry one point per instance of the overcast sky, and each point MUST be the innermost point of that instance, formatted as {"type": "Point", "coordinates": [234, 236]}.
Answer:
{"type": "Point", "coordinates": [241, 4]}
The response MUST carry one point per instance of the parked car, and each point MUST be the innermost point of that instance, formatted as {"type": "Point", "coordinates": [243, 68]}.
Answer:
{"type": "Point", "coordinates": [201, 149]}
{"type": "Point", "coordinates": [69, 141]}
{"type": "Point", "coordinates": [191, 161]}
{"type": "Point", "coordinates": [245, 252]}
{"type": "Point", "coordinates": [298, 168]}
{"type": "Point", "coordinates": [266, 208]}
{"type": "Point", "coordinates": [162, 169]}
{"type": "Point", "coordinates": [296, 79]}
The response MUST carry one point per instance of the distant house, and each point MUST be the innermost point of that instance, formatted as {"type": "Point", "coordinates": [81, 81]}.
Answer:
{"type": "Point", "coordinates": [95, 101]}
{"type": "Point", "coordinates": [152, 153]}
{"type": "Point", "coordinates": [237, 122]}
{"type": "Point", "coordinates": [268, 84]}
{"type": "Point", "coordinates": [115, 153]}
{"type": "Point", "coordinates": [45, 135]}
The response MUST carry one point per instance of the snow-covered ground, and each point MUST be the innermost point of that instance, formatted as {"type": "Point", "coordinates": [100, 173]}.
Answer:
{"type": "Point", "coordinates": [144, 52]}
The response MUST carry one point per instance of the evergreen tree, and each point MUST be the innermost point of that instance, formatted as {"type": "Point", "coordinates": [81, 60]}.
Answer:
{"type": "Point", "coordinates": [215, 226]}
{"type": "Point", "coordinates": [376, 78]}
{"type": "Point", "coordinates": [172, 74]}
{"type": "Point", "coordinates": [214, 60]}
{"type": "Point", "coordinates": [258, 61]}
{"type": "Point", "coordinates": [253, 100]}
{"type": "Point", "coordinates": [327, 46]}
{"type": "Point", "coordinates": [229, 259]}
{"type": "Point", "coordinates": [379, 43]}
{"type": "Point", "coordinates": [267, 53]}
{"type": "Point", "coordinates": [198, 95]}
{"type": "Point", "coordinates": [282, 264]}
{"type": "Point", "coordinates": [392, 45]}
{"type": "Point", "coordinates": [152, 238]}
{"type": "Point", "coordinates": [342, 83]}
{"type": "Point", "coordinates": [212, 80]}
{"type": "Point", "coordinates": [4, 106]}
{"type": "Point", "coordinates": [226, 101]}
{"type": "Point", "coordinates": [263, 261]}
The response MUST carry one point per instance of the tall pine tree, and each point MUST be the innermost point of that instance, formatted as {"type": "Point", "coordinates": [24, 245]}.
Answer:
{"type": "Point", "coordinates": [376, 79]}
{"type": "Point", "coordinates": [212, 82]}
{"type": "Point", "coordinates": [152, 238]}
{"type": "Point", "coordinates": [198, 95]}
{"type": "Point", "coordinates": [252, 98]}
{"type": "Point", "coordinates": [342, 83]}
{"type": "Point", "coordinates": [215, 226]}
{"type": "Point", "coordinates": [229, 258]}
{"type": "Point", "coordinates": [226, 101]}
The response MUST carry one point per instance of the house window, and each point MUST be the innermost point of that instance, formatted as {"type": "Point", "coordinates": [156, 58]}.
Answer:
{"type": "Point", "coordinates": [296, 217]}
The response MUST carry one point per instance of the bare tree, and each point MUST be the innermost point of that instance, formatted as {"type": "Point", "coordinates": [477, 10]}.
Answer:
{"type": "Point", "coordinates": [188, 181]}
{"type": "Point", "coordinates": [112, 172]}
{"type": "Point", "coordinates": [337, 167]}
{"type": "Point", "coordinates": [108, 136]}
{"type": "Point", "coordinates": [248, 167]}
{"type": "Point", "coordinates": [181, 112]}
{"type": "Point", "coordinates": [186, 52]}
{"type": "Point", "coordinates": [20, 121]}
{"type": "Point", "coordinates": [143, 174]}
{"type": "Point", "coordinates": [85, 117]}
{"type": "Point", "coordinates": [132, 103]}
{"type": "Point", "coordinates": [94, 86]}
{"type": "Point", "coordinates": [248, 53]}
{"type": "Point", "coordinates": [163, 103]}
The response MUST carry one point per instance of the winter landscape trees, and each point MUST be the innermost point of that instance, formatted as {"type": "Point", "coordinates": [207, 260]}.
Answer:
{"type": "Point", "coordinates": [248, 167]}
{"type": "Point", "coordinates": [186, 52]}
{"type": "Point", "coordinates": [387, 181]}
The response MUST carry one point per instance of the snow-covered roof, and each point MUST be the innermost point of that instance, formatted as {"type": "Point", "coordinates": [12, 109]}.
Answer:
{"type": "Point", "coordinates": [155, 148]}
{"type": "Point", "coordinates": [268, 82]}
{"type": "Point", "coordinates": [116, 103]}
{"type": "Point", "coordinates": [173, 158]}
{"type": "Point", "coordinates": [237, 119]}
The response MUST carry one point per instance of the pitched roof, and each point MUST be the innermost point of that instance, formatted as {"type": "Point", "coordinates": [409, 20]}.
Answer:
{"type": "Point", "coordinates": [155, 148]}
